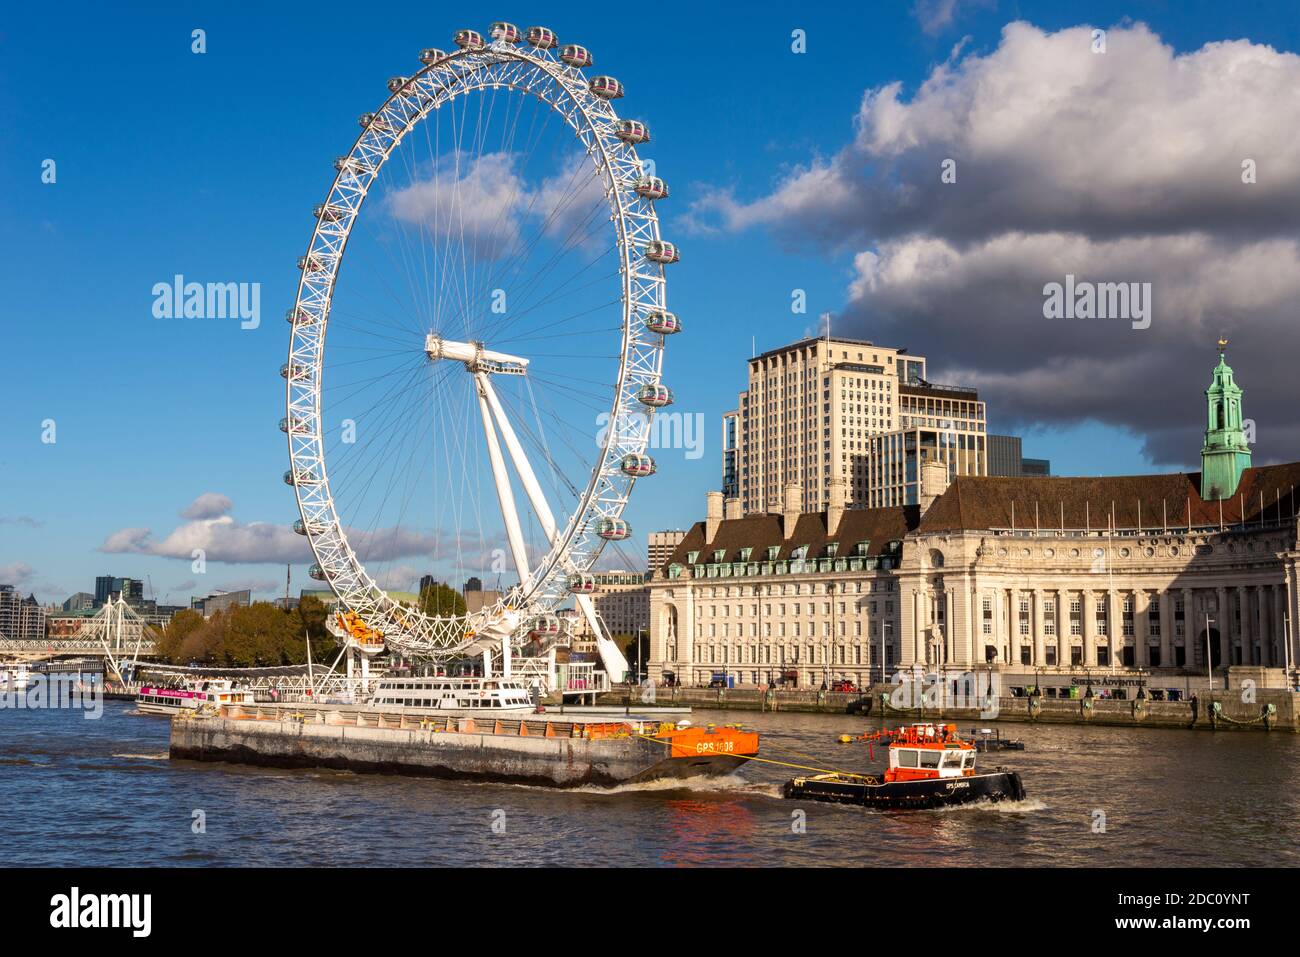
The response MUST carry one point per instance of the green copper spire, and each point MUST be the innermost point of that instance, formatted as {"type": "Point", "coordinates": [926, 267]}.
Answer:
{"type": "Point", "coordinates": [1226, 454]}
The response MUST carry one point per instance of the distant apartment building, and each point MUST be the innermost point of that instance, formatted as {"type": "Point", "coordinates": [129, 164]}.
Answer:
{"type": "Point", "coordinates": [81, 601]}
{"type": "Point", "coordinates": [937, 423]}
{"type": "Point", "coordinates": [21, 619]}
{"type": "Point", "coordinates": [322, 595]}
{"type": "Point", "coordinates": [622, 601]}
{"type": "Point", "coordinates": [477, 599]}
{"type": "Point", "coordinates": [108, 588]}
{"type": "Point", "coordinates": [660, 545]}
{"type": "Point", "coordinates": [222, 601]}
{"type": "Point", "coordinates": [1005, 458]}
{"type": "Point", "coordinates": [813, 409]}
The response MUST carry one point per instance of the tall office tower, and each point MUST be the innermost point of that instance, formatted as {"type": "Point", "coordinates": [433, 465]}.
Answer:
{"type": "Point", "coordinates": [730, 449]}
{"type": "Point", "coordinates": [812, 408]}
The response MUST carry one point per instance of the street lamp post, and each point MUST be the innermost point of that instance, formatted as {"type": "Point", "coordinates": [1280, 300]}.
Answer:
{"type": "Point", "coordinates": [885, 627]}
{"type": "Point", "coordinates": [1209, 664]}
{"type": "Point", "coordinates": [1286, 646]}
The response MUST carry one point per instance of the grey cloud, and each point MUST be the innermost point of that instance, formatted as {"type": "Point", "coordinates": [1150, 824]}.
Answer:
{"type": "Point", "coordinates": [1123, 166]}
{"type": "Point", "coordinates": [1048, 135]}
{"type": "Point", "coordinates": [207, 505]}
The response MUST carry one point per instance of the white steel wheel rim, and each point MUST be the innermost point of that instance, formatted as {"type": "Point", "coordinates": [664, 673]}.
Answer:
{"type": "Point", "coordinates": [593, 121]}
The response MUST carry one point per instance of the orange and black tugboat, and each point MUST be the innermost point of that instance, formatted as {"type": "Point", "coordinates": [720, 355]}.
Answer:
{"type": "Point", "coordinates": [929, 767]}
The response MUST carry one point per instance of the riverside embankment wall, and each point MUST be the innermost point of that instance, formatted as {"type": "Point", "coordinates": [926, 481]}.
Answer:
{"type": "Point", "coordinates": [1235, 712]}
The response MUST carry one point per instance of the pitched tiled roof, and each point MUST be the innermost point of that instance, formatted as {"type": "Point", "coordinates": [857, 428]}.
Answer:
{"type": "Point", "coordinates": [878, 526]}
{"type": "Point", "coordinates": [1148, 501]}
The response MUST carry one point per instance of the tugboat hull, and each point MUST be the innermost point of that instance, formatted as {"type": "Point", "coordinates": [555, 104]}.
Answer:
{"type": "Point", "coordinates": [996, 785]}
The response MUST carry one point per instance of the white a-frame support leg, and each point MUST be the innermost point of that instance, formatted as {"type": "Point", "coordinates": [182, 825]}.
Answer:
{"type": "Point", "coordinates": [505, 495]}
{"type": "Point", "coordinates": [613, 659]}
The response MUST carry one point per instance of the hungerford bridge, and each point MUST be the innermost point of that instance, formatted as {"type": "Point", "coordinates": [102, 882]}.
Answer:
{"type": "Point", "coordinates": [116, 633]}
{"type": "Point", "coordinates": [122, 638]}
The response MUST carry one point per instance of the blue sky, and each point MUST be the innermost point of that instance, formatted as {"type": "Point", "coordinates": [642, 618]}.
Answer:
{"type": "Point", "coordinates": [208, 166]}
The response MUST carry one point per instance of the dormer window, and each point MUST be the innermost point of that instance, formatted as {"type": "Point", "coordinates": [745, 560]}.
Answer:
{"type": "Point", "coordinates": [800, 552]}
{"type": "Point", "coordinates": [772, 552]}
{"type": "Point", "coordinates": [745, 553]}
{"type": "Point", "coordinates": [719, 554]}
{"type": "Point", "coordinates": [861, 548]}
{"type": "Point", "coordinates": [832, 548]}
{"type": "Point", "coordinates": [692, 558]}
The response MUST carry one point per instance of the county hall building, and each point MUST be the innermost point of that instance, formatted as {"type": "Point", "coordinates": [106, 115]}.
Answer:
{"type": "Point", "coordinates": [1033, 577]}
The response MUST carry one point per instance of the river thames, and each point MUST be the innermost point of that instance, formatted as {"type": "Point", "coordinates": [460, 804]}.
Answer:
{"type": "Point", "coordinates": [103, 792]}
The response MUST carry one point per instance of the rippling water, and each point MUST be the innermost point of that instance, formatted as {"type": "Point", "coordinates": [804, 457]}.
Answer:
{"type": "Point", "coordinates": [103, 792]}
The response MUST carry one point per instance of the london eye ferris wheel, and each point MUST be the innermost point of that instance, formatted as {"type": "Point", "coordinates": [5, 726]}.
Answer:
{"type": "Point", "coordinates": [495, 341]}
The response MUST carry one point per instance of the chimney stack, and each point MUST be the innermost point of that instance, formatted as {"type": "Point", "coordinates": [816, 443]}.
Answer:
{"type": "Point", "coordinates": [712, 516]}
{"type": "Point", "coordinates": [731, 509]}
{"type": "Point", "coordinates": [791, 507]}
{"type": "Point", "coordinates": [934, 482]}
{"type": "Point", "coordinates": [837, 493]}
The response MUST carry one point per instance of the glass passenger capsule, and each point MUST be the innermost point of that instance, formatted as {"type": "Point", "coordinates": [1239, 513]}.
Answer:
{"type": "Point", "coordinates": [302, 478]}
{"type": "Point", "coordinates": [316, 572]}
{"type": "Point", "coordinates": [606, 87]}
{"type": "Point", "coordinates": [663, 322]}
{"type": "Point", "coordinates": [542, 37]}
{"type": "Point", "coordinates": [297, 426]}
{"type": "Point", "coordinates": [397, 82]}
{"type": "Point", "coordinates": [296, 370]}
{"type": "Point", "coordinates": [327, 212]}
{"type": "Point", "coordinates": [544, 627]}
{"type": "Point", "coordinates": [651, 187]}
{"type": "Point", "coordinates": [469, 40]}
{"type": "Point", "coordinates": [632, 131]}
{"type": "Point", "coordinates": [638, 465]}
{"type": "Point", "coordinates": [582, 584]}
{"type": "Point", "coordinates": [299, 314]}
{"type": "Point", "coordinates": [661, 251]}
{"type": "Point", "coordinates": [575, 55]}
{"type": "Point", "coordinates": [656, 395]}
{"type": "Point", "coordinates": [505, 31]}
{"type": "Point", "coordinates": [373, 121]}
{"type": "Point", "coordinates": [310, 263]}
{"type": "Point", "coordinates": [614, 529]}
{"type": "Point", "coordinates": [431, 55]}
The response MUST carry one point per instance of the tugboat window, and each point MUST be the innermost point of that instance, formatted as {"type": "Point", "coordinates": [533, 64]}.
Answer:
{"type": "Point", "coordinates": [930, 759]}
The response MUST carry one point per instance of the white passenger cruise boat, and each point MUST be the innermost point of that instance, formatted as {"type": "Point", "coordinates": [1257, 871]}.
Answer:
{"type": "Point", "coordinates": [14, 678]}
{"type": "Point", "coordinates": [214, 691]}
{"type": "Point", "coordinates": [506, 696]}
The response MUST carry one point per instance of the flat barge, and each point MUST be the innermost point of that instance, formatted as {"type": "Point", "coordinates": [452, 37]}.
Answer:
{"type": "Point", "coordinates": [534, 750]}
